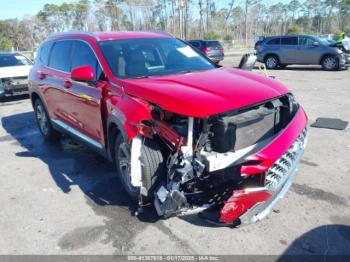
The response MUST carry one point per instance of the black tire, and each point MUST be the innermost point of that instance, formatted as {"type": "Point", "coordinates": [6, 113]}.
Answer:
{"type": "Point", "coordinates": [152, 167]}
{"type": "Point", "coordinates": [330, 63]}
{"type": "Point", "coordinates": [271, 62]}
{"type": "Point", "coordinates": [47, 131]}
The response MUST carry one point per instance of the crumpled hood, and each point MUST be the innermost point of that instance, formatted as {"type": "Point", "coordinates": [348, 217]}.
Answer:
{"type": "Point", "coordinates": [14, 71]}
{"type": "Point", "coordinates": [205, 93]}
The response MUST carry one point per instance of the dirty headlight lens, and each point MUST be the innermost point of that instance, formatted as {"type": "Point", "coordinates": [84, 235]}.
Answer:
{"type": "Point", "coordinates": [293, 104]}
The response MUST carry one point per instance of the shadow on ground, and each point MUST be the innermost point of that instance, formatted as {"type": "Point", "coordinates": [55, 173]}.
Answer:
{"type": "Point", "coordinates": [324, 243]}
{"type": "Point", "coordinates": [73, 165]}
{"type": "Point", "coordinates": [13, 98]}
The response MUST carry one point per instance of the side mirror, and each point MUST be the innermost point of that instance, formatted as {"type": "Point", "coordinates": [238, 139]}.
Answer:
{"type": "Point", "coordinates": [315, 44]}
{"type": "Point", "coordinates": [83, 73]}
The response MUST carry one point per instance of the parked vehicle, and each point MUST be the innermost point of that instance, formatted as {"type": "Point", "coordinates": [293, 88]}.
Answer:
{"type": "Point", "coordinates": [212, 49]}
{"type": "Point", "coordinates": [14, 70]}
{"type": "Point", "coordinates": [281, 51]}
{"type": "Point", "coordinates": [183, 132]}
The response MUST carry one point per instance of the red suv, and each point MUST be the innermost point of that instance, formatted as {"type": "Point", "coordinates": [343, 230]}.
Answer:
{"type": "Point", "coordinates": [183, 132]}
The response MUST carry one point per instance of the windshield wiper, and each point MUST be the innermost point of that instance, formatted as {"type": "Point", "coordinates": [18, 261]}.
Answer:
{"type": "Point", "coordinates": [139, 77]}
{"type": "Point", "coordinates": [183, 72]}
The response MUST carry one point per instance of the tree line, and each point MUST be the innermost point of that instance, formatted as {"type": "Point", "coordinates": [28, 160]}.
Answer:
{"type": "Point", "coordinates": [238, 20]}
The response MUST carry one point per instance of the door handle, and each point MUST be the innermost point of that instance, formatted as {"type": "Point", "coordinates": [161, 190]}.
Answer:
{"type": "Point", "coordinates": [67, 84]}
{"type": "Point", "coordinates": [41, 75]}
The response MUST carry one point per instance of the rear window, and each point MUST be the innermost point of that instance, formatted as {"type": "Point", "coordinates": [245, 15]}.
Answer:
{"type": "Point", "coordinates": [289, 41]}
{"type": "Point", "coordinates": [213, 44]}
{"type": "Point", "coordinates": [13, 60]}
{"type": "Point", "coordinates": [274, 41]}
{"type": "Point", "coordinates": [60, 56]}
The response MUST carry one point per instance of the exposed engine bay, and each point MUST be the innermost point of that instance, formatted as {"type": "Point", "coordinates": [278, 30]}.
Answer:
{"type": "Point", "coordinates": [205, 155]}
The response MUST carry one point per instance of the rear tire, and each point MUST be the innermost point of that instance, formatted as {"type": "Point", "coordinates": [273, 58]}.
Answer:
{"type": "Point", "coordinates": [44, 122]}
{"type": "Point", "coordinates": [330, 63]}
{"type": "Point", "coordinates": [271, 62]}
{"type": "Point", "coordinates": [152, 167]}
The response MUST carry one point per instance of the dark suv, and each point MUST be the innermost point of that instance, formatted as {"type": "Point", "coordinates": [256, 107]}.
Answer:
{"type": "Point", "coordinates": [211, 48]}
{"type": "Point", "coordinates": [182, 132]}
{"type": "Point", "coordinates": [280, 51]}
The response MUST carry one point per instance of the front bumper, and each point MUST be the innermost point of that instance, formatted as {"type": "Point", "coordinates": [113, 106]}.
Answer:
{"type": "Point", "coordinates": [249, 205]}
{"type": "Point", "coordinates": [13, 86]}
{"type": "Point", "coordinates": [345, 61]}
{"type": "Point", "coordinates": [262, 209]}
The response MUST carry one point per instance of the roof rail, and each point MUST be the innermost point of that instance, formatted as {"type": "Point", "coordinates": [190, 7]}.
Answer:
{"type": "Point", "coordinates": [158, 32]}
{"type": "Point", "coordinates": [72, 32]}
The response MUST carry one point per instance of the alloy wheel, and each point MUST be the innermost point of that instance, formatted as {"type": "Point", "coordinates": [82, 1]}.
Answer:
{"type": "Point", "coordinates": [330, 63]}
{"type": "Point", "coordinates": [271, 62]}
{"type": "Point", "coordinates": [124, 159]}
{"type": "Point", "coordinates": [42, 119]}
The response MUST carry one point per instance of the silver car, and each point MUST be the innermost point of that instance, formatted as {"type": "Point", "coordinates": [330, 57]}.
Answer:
{"type": "Point", "coordinates": [281, 51]}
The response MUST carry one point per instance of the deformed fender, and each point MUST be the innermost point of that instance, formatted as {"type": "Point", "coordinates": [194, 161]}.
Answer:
{"type": "Point", "coordinates": [126, 113]}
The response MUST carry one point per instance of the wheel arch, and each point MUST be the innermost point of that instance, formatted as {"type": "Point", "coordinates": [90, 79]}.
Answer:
{"type": "Point", "coordinates": [114, 128]}
{"type": "Point", "coordinates": [324, 56]}
{"type": "Point", "coordinates": [271, 54]}
{"type": "Point", "coordinates": [34, 95]}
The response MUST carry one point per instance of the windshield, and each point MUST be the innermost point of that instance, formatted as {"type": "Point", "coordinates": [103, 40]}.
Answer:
{"type": "Point", "coordinates": [13, 60]}
{"type": "Point", "coordinates": [144, 57]}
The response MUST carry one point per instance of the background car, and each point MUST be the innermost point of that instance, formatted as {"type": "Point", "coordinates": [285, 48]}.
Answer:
{"type": "Point", "coordinates": [211, 48]}
{"type": "Point", "coordinates": [14, 70]}
{"type": "Point", "coordinates": [280, 51]}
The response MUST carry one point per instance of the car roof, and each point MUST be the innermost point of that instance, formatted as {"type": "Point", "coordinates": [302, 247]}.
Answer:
{"type": "Point", "coordinates": [281, 36]}
{"type": "Point", "coordinates": [104, 36]}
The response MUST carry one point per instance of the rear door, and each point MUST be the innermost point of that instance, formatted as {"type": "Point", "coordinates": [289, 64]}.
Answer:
{"type": "Point", "coordinates": [288, 49]}
{"type": "Point", "coordinates": [53, 78]}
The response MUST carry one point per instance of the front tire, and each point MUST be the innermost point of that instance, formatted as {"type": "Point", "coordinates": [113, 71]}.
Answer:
{"type": "Point", "coordinates": [271, 62]}
{"type": "Point", "coordinates": [152, 167]}
{"type": "Point", "coordinates": [44, 123]}
{"type": "Point", "coordinates": [330, 63]}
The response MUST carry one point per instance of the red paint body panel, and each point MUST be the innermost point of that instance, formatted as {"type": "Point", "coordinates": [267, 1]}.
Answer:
{"type": "Point", "coordinates": [239, 203]}
{"type": "Point", "coordinates": [205, 93]}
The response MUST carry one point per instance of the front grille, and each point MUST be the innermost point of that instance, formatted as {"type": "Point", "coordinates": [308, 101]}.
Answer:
{"type": "Point", "coordinates": [236, 130]}
{"type": "Point", "coordinates": [280, 171]}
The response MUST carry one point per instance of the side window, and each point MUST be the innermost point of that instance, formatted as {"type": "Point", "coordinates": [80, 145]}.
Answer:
{"type": "Point", "coordinates": [274, 41]}
{"type": "Point", "coordinates": [44, 55]}
{"type": "Point", "coordinates": [60, 55]}
{"type": "Point", "coordinates": [306, 41]}
{"type": "Point", "coordinates": [83, 55]}
{"type": "Point", "coordinates": [289, 41]}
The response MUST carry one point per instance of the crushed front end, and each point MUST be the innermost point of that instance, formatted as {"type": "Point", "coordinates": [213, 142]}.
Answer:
{"type": "Point", "coordinates": [232, 167]}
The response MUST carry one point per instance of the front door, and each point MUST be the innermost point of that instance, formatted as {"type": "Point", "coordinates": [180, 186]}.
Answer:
{"type": "Point", "coordinates": [86, 96]}
{"type": "Point", "coordinates": [308, 53]}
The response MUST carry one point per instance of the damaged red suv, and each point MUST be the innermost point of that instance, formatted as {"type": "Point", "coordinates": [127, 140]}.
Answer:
{"type": "Point", "coordinates": [184, 133]}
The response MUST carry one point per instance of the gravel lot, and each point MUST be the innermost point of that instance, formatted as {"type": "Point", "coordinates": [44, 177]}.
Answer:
{"type": "Point", "coordinates": [64, 199]}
